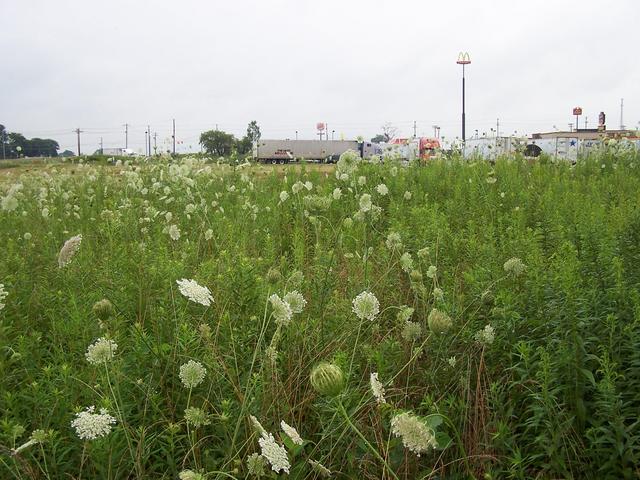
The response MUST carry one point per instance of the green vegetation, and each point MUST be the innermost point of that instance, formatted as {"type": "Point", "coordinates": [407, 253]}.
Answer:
{"type": "Point", "coordinates": [485, 317]}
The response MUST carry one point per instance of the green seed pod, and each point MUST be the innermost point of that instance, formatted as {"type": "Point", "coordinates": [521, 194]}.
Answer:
{"type": "Point", "coordinates": [274, 276]}
{"type": "Point", "coordinates": [416, 276]}
{"type": "Point", "coordinates": [327, 379]}
{"type": "Point", "coordinates": [439, 322]}
{"type": "Point", "coordinates": [103, 309]}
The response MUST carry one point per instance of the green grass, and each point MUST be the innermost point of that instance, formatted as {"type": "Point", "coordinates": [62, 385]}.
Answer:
{"type": "Point", "coordinates": [555, 395]}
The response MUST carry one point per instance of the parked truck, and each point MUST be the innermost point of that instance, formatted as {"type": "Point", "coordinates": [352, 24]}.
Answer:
{"type": "Point", "coordinates": [324, 151]}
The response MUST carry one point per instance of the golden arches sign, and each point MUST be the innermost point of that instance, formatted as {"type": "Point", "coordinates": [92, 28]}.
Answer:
{"type": "Point", "coordinates": [463, 58]}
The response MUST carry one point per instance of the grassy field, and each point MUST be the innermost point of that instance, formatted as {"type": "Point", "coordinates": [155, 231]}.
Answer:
{"type": "Point", "coordinates": [190, 320]}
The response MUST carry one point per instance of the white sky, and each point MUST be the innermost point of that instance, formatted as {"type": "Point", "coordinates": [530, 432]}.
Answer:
{"type": "Point", "coordinates": [289, 64]}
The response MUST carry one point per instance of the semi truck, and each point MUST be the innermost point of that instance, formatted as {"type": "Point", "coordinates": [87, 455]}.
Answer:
{"type": "Point", "coordinates": [324, 151]}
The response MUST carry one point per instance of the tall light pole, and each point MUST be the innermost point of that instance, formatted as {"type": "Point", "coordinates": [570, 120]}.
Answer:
{"type": "Point", "coordinates": [463, 59]}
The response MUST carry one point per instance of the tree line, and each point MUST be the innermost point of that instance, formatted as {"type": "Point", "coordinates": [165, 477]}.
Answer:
{"type": "Point", "coordinates": [15, 145]}
{"type": "Point", "coordinates": [221, 144]}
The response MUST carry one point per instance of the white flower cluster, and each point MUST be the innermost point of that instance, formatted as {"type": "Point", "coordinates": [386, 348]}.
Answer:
{"type": "Point", "coordinates": [415, 434]}
{"type": "Point", "coordinates": [190, 475]}
{"type": "Point", "coordinates": [382, 189]}
{"type": "Point", "coordinates": [101, 351]}
{"type": "Point", "coordinates": [296, 301]}
{"type": "Point", "coordinates": [3, 295]}
{"type": "Point", "coordinates": [89, 425]}
{"type": "Point", "coordinates": [377, 388]}
{"type": "Point", "coordinates": [68, 250]}
{"type": "Point", "coordinates": [275, 454]}
{"type": "Point", "coordinates": [292, 433]}
{"type": "Point", "coordinates": [486, 336]}
{"type": "Point", "coordinates": [195, 292]}
{"type": "Point", "coordinates": [514, 266]}
{"type": "Point", "coordinates": [366, 306]}
{"type": "Point", "coordinates": [192, 374]}
{"type": "Point", "coordinates": [282, 311]}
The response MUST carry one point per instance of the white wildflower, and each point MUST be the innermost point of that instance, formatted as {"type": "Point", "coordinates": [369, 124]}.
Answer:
{"type": "Point", "coordinates": [3, 294]}
{"type": "Point", "coordinates": [275, 454]}
{"type": "Point", "coordinates": [320, 469]}
{"type": "Point", "coordinates": [365, 202]}
{"type": "Point", "coordinates": [208, 235]}
{"type": "Point", "coordinates": [89, 425]}
{"type": "Point", "coordinates": [45, 212]}
{"type": "Point", "coordinates": [382, 189]}
{"type": "Point", "coordinates": [308, 185]}
{"type": "Point", "coordinates": [292, 433]}
{"type": "Point", "coordinates": [515, 266]}
{"type": "Point", "coordinates": [438, 294]}
{"type": "Point", "coordinates": [393, 241]}
{"type": "Point", "coordinates": [452, 361]}
{"type": "Point", "coordinates": [411, 331]}
{"type": "Point", "coordinates": [257, 426]}
{"type": "Point", "coordinates": [101, 351]}
{"type": "Point", "coordinates": [195, 292]}
{"type": "Point", "coordinates": [366, 306]}
{"type": "Point", "coordinates": [406, 262]}
{"type": "Point", "coordinates": [174, 232]}
{"type": "Point", "coordinates": [190, 475]}
{"type": "Point", "coordinates": [297, 187]}
{"type": "Point", "coordinates": [192, 374]}
{"type": "Point", "coordinates": [486, 336]}
{"type": "Point", "coordinates": [281, 310]}
{"type": "Point", "coordinates": [407, 195]}
{"type": "Point", "coordinates": [68, 250]}
{"type": "Point", "coordinates": [431, 271]}
{"type": "Point", "coordinates": [377, 388]}
{"type": "Point", "coordinates": [337, 193]}
{"type": "Point", "coordinates": [296, 301]}
{"type": "Point", "coordinates": [415, 434]}
{"type": "Point", "coordinates": [283, 196]}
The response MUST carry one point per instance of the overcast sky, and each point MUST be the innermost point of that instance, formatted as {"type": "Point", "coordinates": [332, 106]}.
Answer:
{"type": "Point", "coordinates": [292, 63]}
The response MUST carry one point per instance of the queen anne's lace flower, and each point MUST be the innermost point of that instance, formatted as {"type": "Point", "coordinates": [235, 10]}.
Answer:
{"type": "Point", "coordinates": [406, 262]}
{"type": "Point", "coordinates": [68, 250]}
{"type": "Point", "coordinates": [377, 388]}
{"type": "Point", "coordinates": [3, 295]}
{"type": "Point", "coordinates": [382, 189]}
{"type": "Point", "coordinates": [257, 426]}
{"type": "Point", "coordinates": [320, 469]}
{"type": "Point", "coordinates": [394, 241]}
{"type": "Point", "coordinates": [190, 475]}
{"type": "Point", "coordinates": [101, 351]}
{"type": "Point", "coordinates": [89, 425]}
{"type": "Point", "coordinates": [514, 266]}
{"type": "Point", "coordinates": [196, 416]}
{"type": "Point", "coordinates": [296, 301]}
{"type": "Point", "coordinates": [281, 310]}
{"type": "Point", "coordinates": [283, 196]}
{"type": "Point", "coordinates": [365, 202]}
{"type": "Point", "coordinates": [275, 454]}
{"type": "Point", "coordinates": [195, 292]}
{"type": "Point", "coordinates": [486, 336]}
{"type": "Point", "coordinates": [415, 434]}
{"type": "Point", "coordinates": [192, 374]}
{"type": "Point", "coordinates": [174, 232]}
{"type": "Point", "coordinates": [292, 433]}
{"type": "Point", "coordinates": [255, 465]}
{"type": "Point", "coordinates": [366, 305]}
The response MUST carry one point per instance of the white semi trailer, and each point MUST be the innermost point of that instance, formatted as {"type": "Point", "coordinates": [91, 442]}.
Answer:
{"type": "Point", "coordinates": [285, 151]}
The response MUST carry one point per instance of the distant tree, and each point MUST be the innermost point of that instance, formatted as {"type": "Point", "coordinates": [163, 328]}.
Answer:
{"type": "Point", "coordinates": [41, 147]}
{"type": "Point", "coordinates": [244, 145]}
{"type": "Point", "coordinates": [253, 131]}
{"type": "Point", "coordinates": [379, 138]}
{"type": "Point", "coordinates": [67, 153]}
{"type": "Point", "coordinates": [389, 131]}
{"type": "Point", "coordinates": [217, 142]}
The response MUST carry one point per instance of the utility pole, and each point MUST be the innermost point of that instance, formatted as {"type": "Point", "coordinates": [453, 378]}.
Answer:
{"type": "Point", "coordinates": [155, 143]}
{"type": "Point", "coordinates": [126, 135]}
{"type": "Point", "coordinates": [414, 129]}
{"type": "Point", "coordinates": [149, 138]}
{"type": "Point", "coordinates": [101, 149]}
{"type": "Point", "coordinates": [463, 59]}
{"type": "Point", "coordinates": [78, 132]}
{"type": "Point", "coordinates": [145, 143]}
{"type": "Point", "coordinates": [296, 134]}
{"type": "Point", "coordinates": [621, 111]}
{"type": "Point", "coordinates": [497, 127]}
{"type": "Point", "coordinates": [173, 137]}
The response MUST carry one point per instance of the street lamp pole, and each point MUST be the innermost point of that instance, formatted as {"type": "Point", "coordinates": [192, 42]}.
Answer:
{"type": "Point", "coordinates": [463, 59]}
